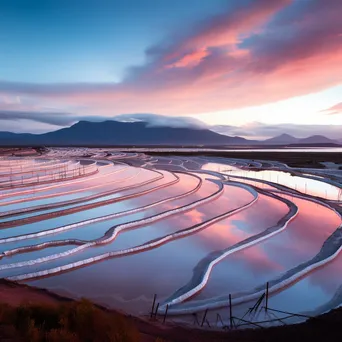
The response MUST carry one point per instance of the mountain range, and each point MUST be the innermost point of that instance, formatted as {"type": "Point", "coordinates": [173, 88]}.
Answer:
{"type": "Point", "coordinates": [121, 133]}
{"type": "Point", "coordinates": [286, 139]}
{"type": "Point", "coordinates": [139, 133]}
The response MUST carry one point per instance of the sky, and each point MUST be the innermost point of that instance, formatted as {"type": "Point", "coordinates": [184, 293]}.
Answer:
{"type": "Point", "coordinates": [247, 64]}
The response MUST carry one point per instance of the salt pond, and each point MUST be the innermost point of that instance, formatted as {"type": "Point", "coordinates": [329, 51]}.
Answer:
{"type": "Point", "coordinates": [190, 229]}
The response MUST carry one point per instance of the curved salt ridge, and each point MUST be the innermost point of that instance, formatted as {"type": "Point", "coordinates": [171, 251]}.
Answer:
{"type": "Point", "coordinates": [35, 167]}
{"type": "Point", "coordinates": [95, 220]}
{"type": "Point", "coordinates": [96, 259]}
{"type": "Point", "coordinates": [106, 162]}
{"type": "Point", "coordinates": [48, 179]}
{"type": "Point", "coordinates": [111, 234]}
{"type": "Point", "coordinates": [58, 194]}
{"type": "Point", "coordinates": [317, 173]}
{"type": "Point", "coordinates": [207, 172]}
{"type": "Point", "coordinates": [25, 170]}
{"type": "Point", "coordinates": [149, 245]}
{"type": "Point", "coordinates": [200, 279]}
{"type": "Point", "coordinates": [51, 164]}
{"type": "Point", "coordinates": [27, 165]}
{"type": "Point", "coordinates": [312, 174]}
{"type": "Point", "coordinates": [322, 180]}
{"type": "Point", "coordinates": [329, 251]}
{"type": "Point", "coordinates": [315, 177]}
{"type": "Point", "coordinates": [86, 222]}
{"type": "Point", "coordinates": [13, 180]}
{"type": "Point", "coordinates": [125, 156]}
{"type": "Point", "coordinates": [32, 248]}
{"type": "Point", "coordinates": [64, 203]}
{"type": "Point", "coordinates": [9, 213]}
{"type": "Point", "coordinates": [275, 285]}
{"type": "Point", "coordinates": [307, 198]}
{"type": "Point", "coordinates": [292, 192]}
{"type": "Point", "coordinates": [18, 161]}
{"type": "Point", "coordinates": [42, 178]}
{"type": "Point", "coordinates": [63, 183]}
{"type": "Point", "coordinates": [8, 224]}
{"type": "Point", "coordinates": [332, 303]}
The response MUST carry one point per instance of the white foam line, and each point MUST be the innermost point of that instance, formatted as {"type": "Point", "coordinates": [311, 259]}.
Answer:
{"type": "Point", "coordinates": [151, 244]}
{"type": "Point", "coordinates": [7, 224]}
{"type": "Point", "coordinates": [26, 165]}
{"type": "Point", "coordinates": [283, 189]}
{"type": "Point", "coordinates": [125, 226]}
{"type": "Point", "coordinates": [58, 194]}
{"type": "Point", "coordinates": [307, 198]}
{"type": "Point", "coordinates": [256, 295]}
{"type": "Point", "coordinates": [196, 307]}
{"type": "Point", "coordinates": [43, 207]}
{"type": "Point", "coordinates": [33, 167]}
{"type": "Point", "coordinates": [101, 218]}
{"type": "Point", "coordinates": [34, 170]}
{"type": "Point", "coordinates": [36, 189]}
{"type": "Point", "coordinates": [68, 174]}
{"type": "Point", "coordinates": [35, 186]}
{"type": "Point", "coordinates": [206, 275]}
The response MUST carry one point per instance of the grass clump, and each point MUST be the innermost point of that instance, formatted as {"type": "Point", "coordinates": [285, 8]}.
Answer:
{"type": "Point", "coordinates": [78, 321]}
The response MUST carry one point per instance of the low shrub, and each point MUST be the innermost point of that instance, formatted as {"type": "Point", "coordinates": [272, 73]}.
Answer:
{"type": "Point", "coordinates": [78, 321]}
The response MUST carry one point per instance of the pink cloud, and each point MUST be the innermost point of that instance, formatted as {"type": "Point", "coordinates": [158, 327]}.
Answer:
{"type": "Point", "coordinates": [336, 109]}
{"type": "Point", "coordinates": [257, 54]}
{"type": "Point", "coordinates": [190, 59]}
{"type": "Point", "coordinates": [225, 29]}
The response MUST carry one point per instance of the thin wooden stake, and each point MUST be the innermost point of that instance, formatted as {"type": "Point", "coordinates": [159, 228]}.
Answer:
{"type": "Point", "coordinates": [230, 311]}
{"type": "Point", "coordinates": [266, 305]}
{"type": "Point", "coordinates": [154, 302]}
{"type": "Point", "coordinates": [167, 308]}
{"type": "Point", "coordinates": [206, 321]}
{"type": "Point", "coordinates": [205, 315]}
{"type": "Point", "coordinates": [155, 313]}
{"type": "Point", "coordinates": [219, 318]}
{"type": "Point", "coordinates": [195, 319]}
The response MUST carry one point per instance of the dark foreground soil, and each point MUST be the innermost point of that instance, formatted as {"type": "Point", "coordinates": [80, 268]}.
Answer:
{"type": "Point", "coordinates": [322, 328]}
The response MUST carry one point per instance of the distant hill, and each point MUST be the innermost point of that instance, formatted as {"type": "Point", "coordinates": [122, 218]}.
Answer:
{"type": "Point", "coordinates": [121, 133]}
{"type": "Point", "coordinates": [286, 139]}
{"type": "Point", "coordinates": [142, 133]}
{"type": "Point", "coordinates": [282, 139]}
{"type": "Point", "coordinates": [317, 139]}
{"type": "Point", "coordinates": [9, 138]}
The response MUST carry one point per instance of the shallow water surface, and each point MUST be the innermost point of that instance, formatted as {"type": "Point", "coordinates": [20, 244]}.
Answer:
{"type": "Point", "coordinates": [167, 236]}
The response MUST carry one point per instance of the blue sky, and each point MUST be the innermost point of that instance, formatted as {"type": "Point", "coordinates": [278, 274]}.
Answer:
{"type": "Point", "coordinates": [88, 40]}
{"type": "Point", "coordinates": [227, 62]}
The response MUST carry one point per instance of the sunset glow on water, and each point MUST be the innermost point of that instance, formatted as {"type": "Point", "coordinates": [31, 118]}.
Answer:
{"type": "Point", "coordinates": [190, 229]}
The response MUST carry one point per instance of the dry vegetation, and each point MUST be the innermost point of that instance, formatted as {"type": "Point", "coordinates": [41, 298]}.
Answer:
{"type": "Point", "coordinates": [68, 322]}
{"type": "Point", "coordinates": [51, 318]}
